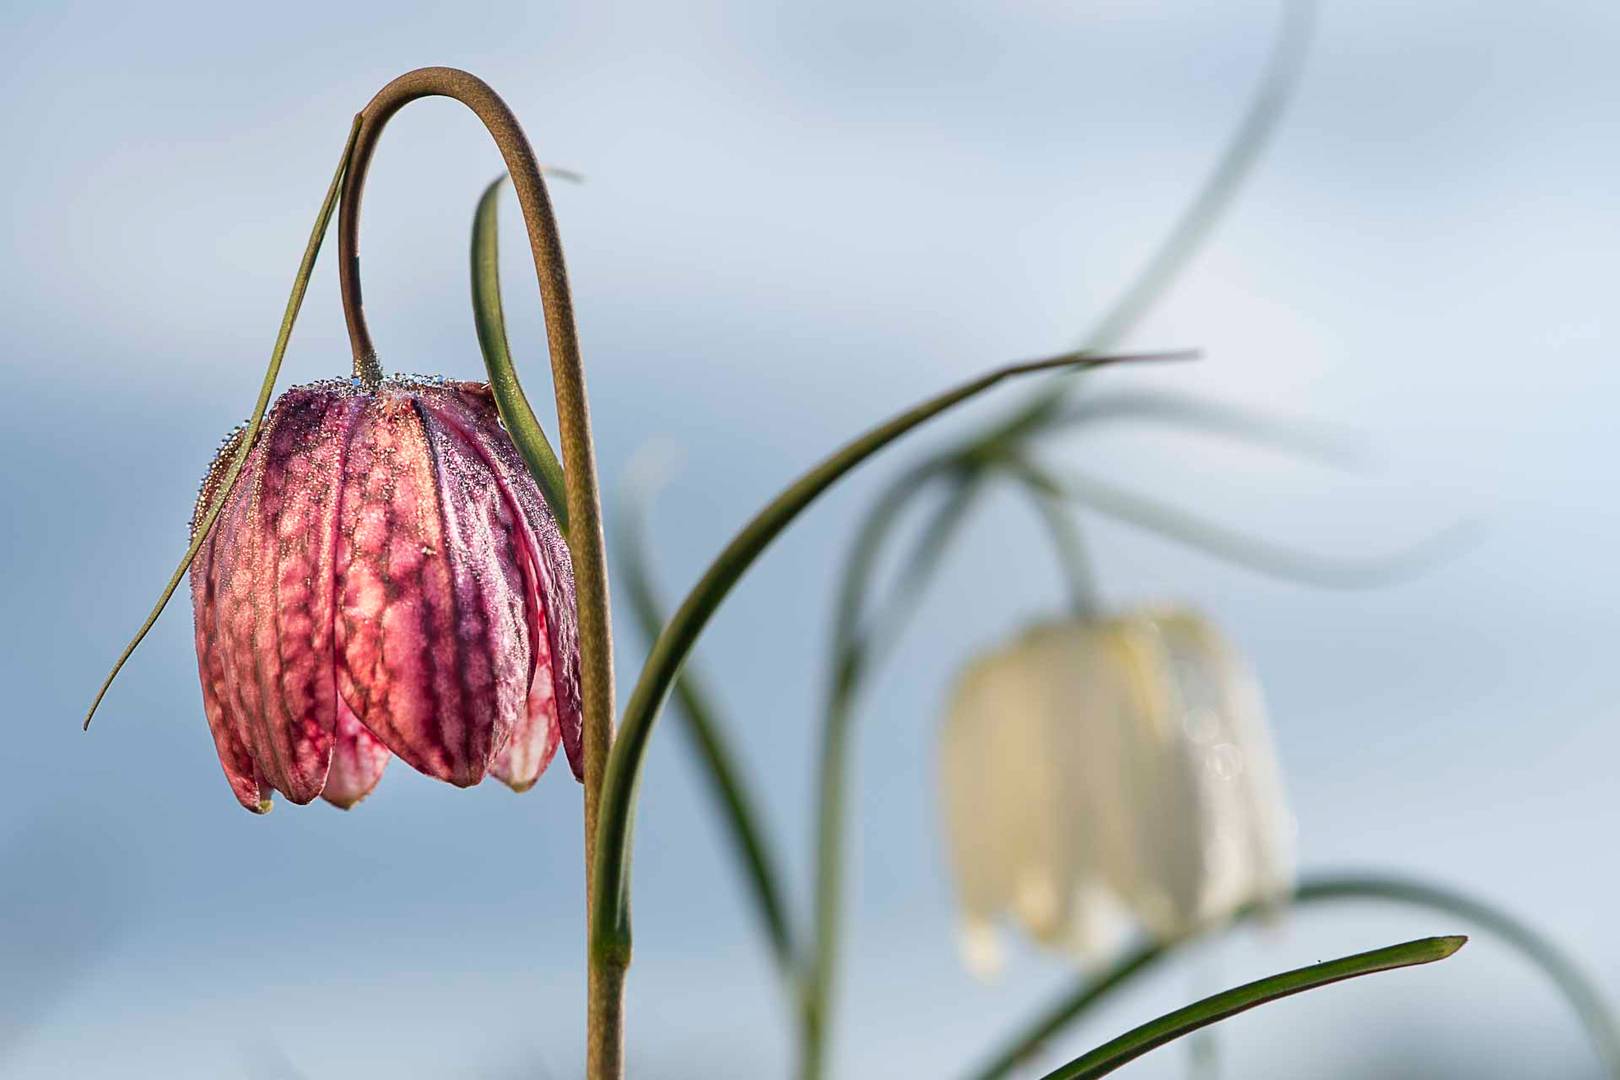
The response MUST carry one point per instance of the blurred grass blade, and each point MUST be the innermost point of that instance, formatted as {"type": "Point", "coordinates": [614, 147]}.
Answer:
{"type": "Point", "coordinates": [1236, 163]}
{"type": "Point", "coordinates": [730, 792]}
{"type": "Point", "coordinates": [1251, 552]}
{"type": "Point", "coordinates": [1193, 227]}
{"type": "Point", "coordinates": [490, 320]}
{"type": "Point", "coordinates": [1155, 1033]}
{"type": "Point", "coordinates": [300, 286]}
{"type": "Point", "coordinates": [610, 924]}
{"type": "Point", "coordinates": [860, 645]}
{"type": "Point", "coordinates": [1313, 442]}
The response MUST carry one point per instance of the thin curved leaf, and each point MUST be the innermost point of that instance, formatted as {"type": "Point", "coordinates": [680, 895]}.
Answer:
{"type": "Point", "coordinates": [490, 320]}
{"type": "Point", "coordinates": [300, 286]}
{"type": "Point", "coordinates": [736, 803]}
{"type": "Point", "coordinates": [1252, 552]}
{"type": "Point", "coordinates": [1584, 997]}
{"type": "Point", "coordinates": [1171, 1026]}
{"type": "Point", "coordinates": [610, 924]}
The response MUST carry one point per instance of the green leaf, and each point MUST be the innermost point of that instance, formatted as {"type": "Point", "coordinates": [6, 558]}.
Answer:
{"type": "Point", "coordinates": [300, 286]}
{"type": "Point", "coordinates": [610, 923]}
{"type": "Point", "coordinates": [732, 797]}
{"type": "Point", "coordinates": [1252, 552]}
{"type": "Point", "coordinates": [1583, 996]}
{"type": "Point", "coordinates": [490, 321]}
{"type": "Point", "coordinates": [1155, 1033]}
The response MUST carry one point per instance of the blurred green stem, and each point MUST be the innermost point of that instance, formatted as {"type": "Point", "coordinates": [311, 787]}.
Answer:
{"type": "Point", "coordinates": [1068, 544]}
{"type": "Point", "coordinates": [859, 645]}
{"type": "Point", "coordinates": [738, 809]}
{"type": "Point", "coordinates": [1583, 997]}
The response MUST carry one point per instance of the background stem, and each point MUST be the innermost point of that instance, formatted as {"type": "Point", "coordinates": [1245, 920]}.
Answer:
{"type": "Point", "coordinates": [732, 798]}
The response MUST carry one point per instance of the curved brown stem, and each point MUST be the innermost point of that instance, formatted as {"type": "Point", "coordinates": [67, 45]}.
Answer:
{"type": "Point", "coordinates": [604, 1041]}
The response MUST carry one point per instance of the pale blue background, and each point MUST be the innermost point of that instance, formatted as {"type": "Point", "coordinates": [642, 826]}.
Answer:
{"type": "Point", "coordinates": [798, 219]}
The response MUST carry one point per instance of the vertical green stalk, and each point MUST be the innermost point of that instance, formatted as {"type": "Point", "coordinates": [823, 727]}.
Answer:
{"type": "Point", "coordinates": [860, 642]}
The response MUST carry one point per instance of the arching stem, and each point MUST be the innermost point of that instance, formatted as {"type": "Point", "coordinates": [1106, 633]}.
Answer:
{"type": "Point", "coordinates": [605, 1035]}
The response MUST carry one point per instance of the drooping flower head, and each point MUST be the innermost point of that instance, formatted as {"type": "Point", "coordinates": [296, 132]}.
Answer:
{"type": "Point", "coordinates": [1102, 771]}
{"type": "Point", "coordinates": [384, 579]}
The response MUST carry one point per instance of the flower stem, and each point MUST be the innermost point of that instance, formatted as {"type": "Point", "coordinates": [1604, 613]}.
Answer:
{"type": "Point", "coordinates": [605, 995]}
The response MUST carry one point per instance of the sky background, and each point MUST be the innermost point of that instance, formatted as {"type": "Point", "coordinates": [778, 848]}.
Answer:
{"type": "Point", "coordinates": [798, 219]}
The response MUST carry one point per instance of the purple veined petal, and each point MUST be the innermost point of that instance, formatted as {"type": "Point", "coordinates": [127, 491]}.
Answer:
{"type": "Point", "coordinates": [471, 409]}
{"type": "Point", "coordinates": [358, 760]}
{"type": "Point", "coordinates": [293, 518]}
{"type": "Point", "coordinates": [535, 740]}
{"type": "Point", "coordinates": [225, 626]}
{"type": "Point", "coordinates": [224, 719]}
{"type": "Point", "coordinates": [433, 643]}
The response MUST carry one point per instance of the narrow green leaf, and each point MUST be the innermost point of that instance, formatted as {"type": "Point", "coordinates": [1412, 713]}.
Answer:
{"type": "Point", "coordinates": [300, 286]}
{"type": "Point", "coordinates": [1197, 221]}
{"type": "Point", "coordinates": [1252, 552]}
{"type": "Point", "coordinates": [1310, 441]}
{"type": "Point", "coordinates": [1583, 996]}
{"type": "Point", "coordinates": [490, 320]}
{"type": "Point", "coordinates": [610, 923]}
{"type": "Point", "coordinates": [1155, 1033]}
{"type": "Point", "coordinates": [738, 808]}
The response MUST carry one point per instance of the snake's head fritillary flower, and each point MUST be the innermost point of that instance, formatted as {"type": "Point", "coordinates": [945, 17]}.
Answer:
{"type": "Point", "coordinates": [384, 579]}
{"type": "Point", "coordinates": [1102, 771]}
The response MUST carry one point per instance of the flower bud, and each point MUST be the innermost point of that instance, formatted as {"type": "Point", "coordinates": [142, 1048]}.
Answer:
{"type": "Point", "coordinates": [384, 579]}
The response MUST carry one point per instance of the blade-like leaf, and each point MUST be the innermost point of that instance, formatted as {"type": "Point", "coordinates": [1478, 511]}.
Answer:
{"type": "Point", "coordinates": [300, 286]}
{"type": "Point", "coordinates": [490, 320]}
{"type": "Point", "coordinates": [610, 926]}
{"type": "Point", "coordinates": [1584, 996]}
{"type": "Point", "coordinates": [1252, 552]}
{"type": "Point", "coordinates": [732, 797]}
{"type": "Point", "coordinates": [1155, 1033]}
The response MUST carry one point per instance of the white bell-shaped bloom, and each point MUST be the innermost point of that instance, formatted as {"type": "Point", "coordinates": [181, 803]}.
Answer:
{"type": "Point", "coordinates": [1102, 771]}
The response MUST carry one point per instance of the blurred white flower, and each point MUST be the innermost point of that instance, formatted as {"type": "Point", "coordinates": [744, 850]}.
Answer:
{"type": "Point", "coordinates": [1102, 771]}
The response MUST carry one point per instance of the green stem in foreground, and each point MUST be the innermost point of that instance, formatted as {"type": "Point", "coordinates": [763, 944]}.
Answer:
{"type": "Point", "coordinates": [1200, 1014]}
{"type": "Point", "coordinates": [1578, 991]}
{"type": "Point", "coordinates": [267, 387]}
{"type": "Point", "coordinates": [604, 1044]}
